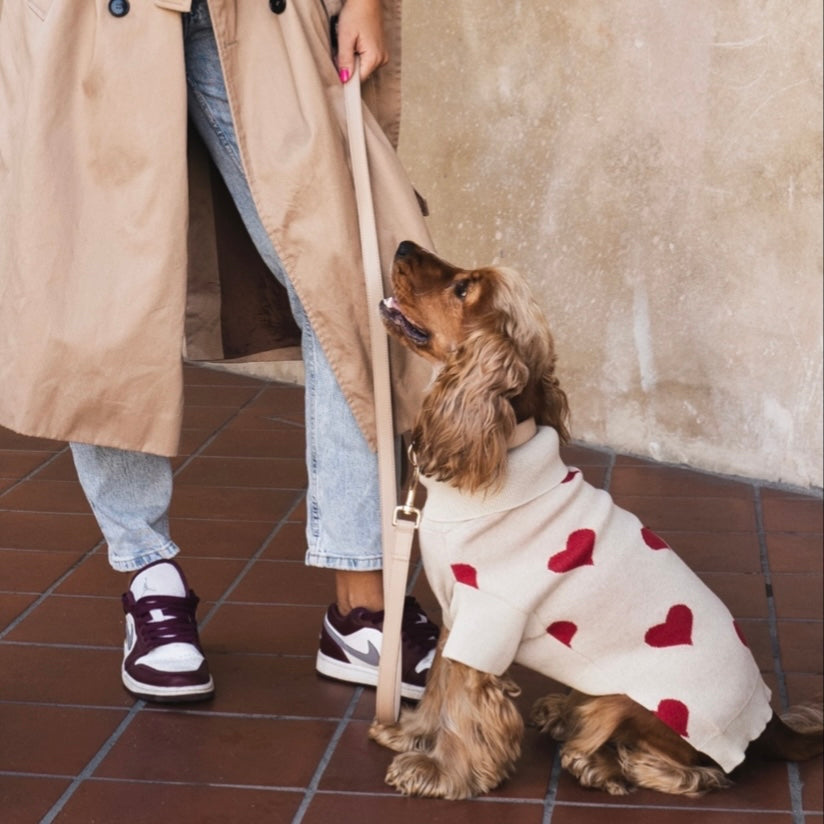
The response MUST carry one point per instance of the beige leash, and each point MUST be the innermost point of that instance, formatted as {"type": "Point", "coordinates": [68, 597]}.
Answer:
{"type": "Point", "coordinates": [398, 524]}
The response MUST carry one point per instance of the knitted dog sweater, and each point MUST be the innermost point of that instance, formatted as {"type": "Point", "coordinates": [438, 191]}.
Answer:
{"type": "Point", "coordinates": [550, 573]}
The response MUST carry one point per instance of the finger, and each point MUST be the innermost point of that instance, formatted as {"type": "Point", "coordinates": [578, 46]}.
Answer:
{"type": "Point", "coordinates": [369, 62]}
{"type": "Point", "coordinates": [347, 50]}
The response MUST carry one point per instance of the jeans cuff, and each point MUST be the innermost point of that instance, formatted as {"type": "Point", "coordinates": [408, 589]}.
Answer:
{"type": "Point", "coordinates": [136, 562]}
{"type": "Point", "coordinates": [344, 563]}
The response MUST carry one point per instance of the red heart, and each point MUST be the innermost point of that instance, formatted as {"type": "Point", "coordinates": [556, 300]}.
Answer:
{"type": "Point", "coordinates": [579, 547]}
{"type": "Point", "coordinates": [465, 574]}
{"type": "Point", "coordinates": [569, 476]}
{"type": "Point", "coordinates": [674, 714]}
{"type": "Point", "coordinates": [676, 630]}
{"type": "Point", "coordinates": [652, 540]}
{"type": "Point", "coordinates": [564, 631]}
{"type": "Point", "coordinates": [741, 637]}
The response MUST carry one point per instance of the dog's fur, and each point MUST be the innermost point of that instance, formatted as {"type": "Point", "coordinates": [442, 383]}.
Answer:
{"type": "Point", "coordinates": [497, 367]}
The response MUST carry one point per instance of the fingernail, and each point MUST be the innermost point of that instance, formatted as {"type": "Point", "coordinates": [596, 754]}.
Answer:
{"type": "Point", "coordinates": [344, 75]}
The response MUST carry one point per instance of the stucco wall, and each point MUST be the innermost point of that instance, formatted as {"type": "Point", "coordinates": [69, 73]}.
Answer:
{"type": "Point", "coordinates": [654, 167]}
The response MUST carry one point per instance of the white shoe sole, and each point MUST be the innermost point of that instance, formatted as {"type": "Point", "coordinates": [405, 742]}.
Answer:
{"type": "Point", "coordinates": [150, 692]}
{"type": "Point", "coordinates": [355, 674]}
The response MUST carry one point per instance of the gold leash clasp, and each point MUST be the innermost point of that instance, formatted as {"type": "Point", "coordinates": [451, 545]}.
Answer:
{"type": "Point", "coordinates": [408, 511]}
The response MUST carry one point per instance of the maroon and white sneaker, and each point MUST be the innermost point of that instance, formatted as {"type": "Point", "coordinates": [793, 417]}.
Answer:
{"type": "Point", "coordinates": [162, 658]}
{"type": "Point", "coordinates": [350, 647]}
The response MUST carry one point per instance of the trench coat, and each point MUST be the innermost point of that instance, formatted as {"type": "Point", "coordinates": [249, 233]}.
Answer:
{"type": "Point", "coordinates": [117, 239]}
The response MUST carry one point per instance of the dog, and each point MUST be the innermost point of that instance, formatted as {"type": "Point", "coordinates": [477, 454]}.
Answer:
{"type": "Point", "coordinates": [531, 564]}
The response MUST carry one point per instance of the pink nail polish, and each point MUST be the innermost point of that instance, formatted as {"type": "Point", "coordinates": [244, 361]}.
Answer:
{"type": "Point", "coordinates": [344, 75]}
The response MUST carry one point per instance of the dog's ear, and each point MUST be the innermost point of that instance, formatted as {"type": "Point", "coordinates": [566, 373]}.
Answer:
{"type": "Point", "coordinates": [520, 319]}
{"type": "Point", "coordinates": [467, 417]}
{"type": "Point", "coordinates": [553, 404]}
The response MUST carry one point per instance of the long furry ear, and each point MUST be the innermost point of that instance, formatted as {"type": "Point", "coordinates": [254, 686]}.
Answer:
{"type": "Point", "coordinates": [522, 321]}
{"type": "Point", "coordinates": [554, 407]}
{"type": "Point", "coordinates": [467, 418]}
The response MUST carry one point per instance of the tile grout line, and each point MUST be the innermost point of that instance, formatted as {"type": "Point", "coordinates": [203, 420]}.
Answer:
{"type": "Point", "coordinates": [219, 602]}
{"type": "Point", "coordinates": [610, 467]}
{"type": "Point", "coordinates": [169, 708]}
{"type": "Point", "coordinates": [772, 615]}
{"type": "Point", "coordinates": [29, 475]}
{"type": "Point", "coordinates": [312, 788]}
{"type": "Point", "coordinates": [793, 774]}
{"type": "Point", "coordinates": [647, 462]}
{"type": "Point", "coordinates": [211, 438]}
{"type": "Point", "coordinates": [481, 800]}
{"type": "Point", "coordinates": [674, 808]}
{"type": "Point", "coordinates": [49, 591]}
{"type": "Point", "coordinates": [92, 765]}
{"type": "Point", "coordinates": [552, 791]}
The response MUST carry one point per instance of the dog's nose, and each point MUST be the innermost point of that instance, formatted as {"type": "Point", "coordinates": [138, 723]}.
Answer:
{"type": "Point", "coordinates": [406, 249]}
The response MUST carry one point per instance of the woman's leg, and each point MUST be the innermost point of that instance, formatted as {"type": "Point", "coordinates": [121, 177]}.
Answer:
{"type": "Point", "coordinates": [343, 524]}
{"type": "Point", "coordinates": [343, 521]}
{"type": "Point", "coordinates": [129, 493]}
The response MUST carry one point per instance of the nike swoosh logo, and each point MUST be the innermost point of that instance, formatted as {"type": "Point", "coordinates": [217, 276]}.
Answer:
{"type": "Point", "coordinates": [130, 635]}
{"type": "Point", "coordinates": [426, 662]}
{"type": "Point", "coordinates": [370, 656]}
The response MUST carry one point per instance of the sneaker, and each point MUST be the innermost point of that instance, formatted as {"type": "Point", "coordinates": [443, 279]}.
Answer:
{"type": "Point", "coordinates": [350, 647]}
{"type": "Point", "coordinates": [162, 658]}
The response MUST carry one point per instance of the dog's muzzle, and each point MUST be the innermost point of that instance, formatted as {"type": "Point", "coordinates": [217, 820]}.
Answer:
{"type": "Point", "coordinates": [391, 313]}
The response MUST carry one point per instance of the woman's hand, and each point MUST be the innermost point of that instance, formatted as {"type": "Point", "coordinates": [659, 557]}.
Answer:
{"type": "Point", "coordinates": [360, 32]}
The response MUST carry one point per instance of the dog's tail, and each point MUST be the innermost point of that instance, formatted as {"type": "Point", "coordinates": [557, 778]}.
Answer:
{"type": "Point", "coordinates": [795, 735]}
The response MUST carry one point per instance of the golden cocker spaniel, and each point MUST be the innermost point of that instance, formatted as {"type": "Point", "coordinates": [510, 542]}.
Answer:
{"type": "Point", "coordinates": [493, 415]}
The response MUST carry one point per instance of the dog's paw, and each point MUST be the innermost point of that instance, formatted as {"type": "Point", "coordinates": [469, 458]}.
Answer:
{"type": "Point", "coordinates": [617, 787]}
{"type": "Point", "coordinates": [596, 772]}
{"type": "Point", "coordinates": [549, 715]}
{"type": "Point", "coordinates": [646, 767]}
{"type": "Point", "coordinates": [396, 737]}
{"type": "Point", "coordinates": [415, 773]}
{"type": "Point", "coordinates": [388, 735]}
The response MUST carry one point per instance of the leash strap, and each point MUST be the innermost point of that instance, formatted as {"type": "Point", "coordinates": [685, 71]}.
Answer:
{"type": "Point", "coordinates": [397, 531]}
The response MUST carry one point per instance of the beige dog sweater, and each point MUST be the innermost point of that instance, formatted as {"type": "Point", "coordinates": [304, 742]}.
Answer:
{"type": "Point", "coordinates": [550, 573]}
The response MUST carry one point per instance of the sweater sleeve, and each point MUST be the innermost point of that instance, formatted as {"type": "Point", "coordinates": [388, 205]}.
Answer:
{"type": "Point", "coordinates": [486, 631]}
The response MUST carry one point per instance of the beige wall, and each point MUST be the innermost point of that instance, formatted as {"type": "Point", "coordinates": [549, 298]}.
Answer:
{"type": "Point", "coordinates": [654, 167]}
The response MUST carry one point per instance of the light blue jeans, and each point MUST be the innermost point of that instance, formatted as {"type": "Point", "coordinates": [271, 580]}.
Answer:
{"type": "Point", "coordinates": [130, 492]}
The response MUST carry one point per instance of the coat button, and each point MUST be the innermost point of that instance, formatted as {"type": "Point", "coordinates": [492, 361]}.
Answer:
{"type": "Point", "coordinates": [277, 6]}
{"type": "Point", "coordinates": [118, 8]}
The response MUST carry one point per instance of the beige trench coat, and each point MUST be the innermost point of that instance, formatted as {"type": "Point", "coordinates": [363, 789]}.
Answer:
{"type": "Point", "coordinates": [111, 242]}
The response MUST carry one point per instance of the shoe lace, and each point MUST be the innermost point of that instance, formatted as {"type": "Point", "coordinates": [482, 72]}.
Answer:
{"type": "Point", "coordinates": [178, 624]}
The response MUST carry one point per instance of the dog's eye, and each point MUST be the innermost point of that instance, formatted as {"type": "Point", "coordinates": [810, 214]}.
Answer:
{"type": "Point", "coordinates": [460, 289]}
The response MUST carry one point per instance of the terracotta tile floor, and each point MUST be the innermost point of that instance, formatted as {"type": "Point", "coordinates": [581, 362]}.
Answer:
{"type": "Point", "coordinates": [279, 744]}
